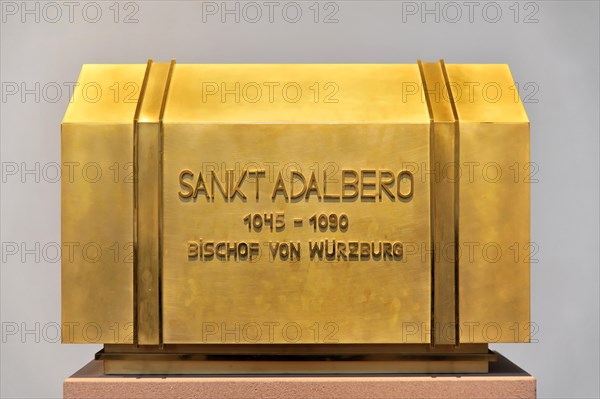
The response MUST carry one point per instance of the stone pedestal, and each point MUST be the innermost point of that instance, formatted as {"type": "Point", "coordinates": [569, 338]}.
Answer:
{"type": "Point", "coordinates": [505, 380]}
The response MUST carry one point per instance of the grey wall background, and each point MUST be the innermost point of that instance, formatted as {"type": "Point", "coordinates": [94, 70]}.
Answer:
{"type": "Point", "coordinates": [552, 45]}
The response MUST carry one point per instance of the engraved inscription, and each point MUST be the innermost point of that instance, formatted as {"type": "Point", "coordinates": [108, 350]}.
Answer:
{"type": "Point", "coordinates": [365, 185]}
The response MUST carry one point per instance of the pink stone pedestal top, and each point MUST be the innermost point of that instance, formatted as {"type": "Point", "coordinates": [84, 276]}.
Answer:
{"type": "Point", "coordinates": [505, 380]}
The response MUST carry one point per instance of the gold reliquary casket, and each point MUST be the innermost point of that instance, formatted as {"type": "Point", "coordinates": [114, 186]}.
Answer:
{"type": "Point", "coordinates": [295, 218]}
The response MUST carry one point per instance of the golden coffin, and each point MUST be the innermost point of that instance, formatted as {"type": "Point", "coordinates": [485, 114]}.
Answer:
{"type": "Point", "coordinates": [295, 205]}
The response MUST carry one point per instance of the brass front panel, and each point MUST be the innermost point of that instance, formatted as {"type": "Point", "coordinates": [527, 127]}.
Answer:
{"type": "Point", "coordinates": [264, 298]}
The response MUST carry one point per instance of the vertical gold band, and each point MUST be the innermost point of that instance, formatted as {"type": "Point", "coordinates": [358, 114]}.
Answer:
{"type": "Point", "coordinates": [444, 194]}
{"type": "Point", "coordinates": [148, 166]}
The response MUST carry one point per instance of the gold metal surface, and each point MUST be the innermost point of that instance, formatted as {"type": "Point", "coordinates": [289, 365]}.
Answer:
{"type": "Point", "coordinates": [148, 202]}
{"type": "Point", "coordinates": [430, 161]}
{"type": "Point", "coordinates": [494, 220]}
{"type": "Point", "coordinates": [268, 299]}
{"type": "Point", "coordinates": [97, 206]}
{"type": "Point", "coordinates": [294, 349]}
{"type": "Point", "coordinates": [288, 94]}
{"type": "Point", "coordinates": [369, 365]}
{"type": "Point", "coordinates": [316, 359]}
{"type": "Point", "coordinates": [444, 217]}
